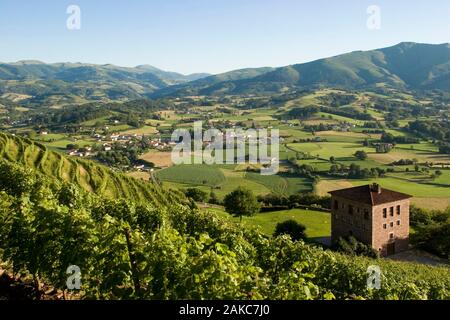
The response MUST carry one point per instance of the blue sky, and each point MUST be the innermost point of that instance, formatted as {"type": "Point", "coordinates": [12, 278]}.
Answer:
{"type": "Point", "coordinates": [211, 35]}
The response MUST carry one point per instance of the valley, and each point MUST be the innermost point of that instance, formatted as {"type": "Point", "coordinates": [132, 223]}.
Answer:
{"type": "Point", "coordinates": [86, 150]}
{"type": "Point", "coordinates": [322, 143]}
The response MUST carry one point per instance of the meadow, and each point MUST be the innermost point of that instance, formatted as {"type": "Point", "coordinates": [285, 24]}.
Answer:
{"type": "Point", "coordinates": [317, 223]}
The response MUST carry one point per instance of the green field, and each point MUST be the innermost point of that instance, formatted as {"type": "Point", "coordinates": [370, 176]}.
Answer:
{"type": "Point", "coordinates": [317, 223]}
{"type": "Point", "coordinates": [140, 131]}
{"type": "Point", "coordinates": [226, 178]}
{"type": "Point", "coordinates": [420, 190]}
{"type": "Point", "coordinates": [342, 151]}
{"type": "Point", "coordinates": [206, 175]}
{"type": "Point", "coordinates": [281, 184]}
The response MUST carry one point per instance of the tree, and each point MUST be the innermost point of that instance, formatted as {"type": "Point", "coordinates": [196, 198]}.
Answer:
{"type": "Point", "coordinates": [213, 199]}
{"type": "Point", "coordinates": [361, 155]}
{"type": "Point", "coordinates": [31, 134]}
{"type": "Point", "coordinates": [292, 228]}
{"type": "Point", "coordinates": [241, 202]}
{"type": "Point", "coordinates": [196, 194]}
{"type": "Point", "coordinates": [72, 146]}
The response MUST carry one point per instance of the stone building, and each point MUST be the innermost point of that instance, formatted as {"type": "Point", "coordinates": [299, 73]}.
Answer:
{"type": "Point", "coordinates": [373, 215]}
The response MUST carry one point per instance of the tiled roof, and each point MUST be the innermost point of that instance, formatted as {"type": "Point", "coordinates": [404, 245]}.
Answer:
{"type": "Point", "coordinates": [371, 194]}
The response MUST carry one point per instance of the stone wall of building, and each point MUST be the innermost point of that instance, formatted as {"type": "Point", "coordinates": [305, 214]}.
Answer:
{"type": "Point", "coordinates": [384, 227]}
{"type": "Point", "coordinates": [351, 218]}
{"type": "Point", "coordinates": [391, 226]}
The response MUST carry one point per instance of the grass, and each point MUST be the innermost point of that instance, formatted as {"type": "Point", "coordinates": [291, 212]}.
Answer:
{"type": "Point", "coordinates": [235, 179]}
{"type": "Point", "coordinates": [419, 190]}
{"type": "Point", "coordinates": [62, 144]}
{"type": "Point", "coordinates": [193, 174]}
{"type": "Point", "coordinates": [222, 179]}
{"type": "Point", "coordinates": [141, 131]}
{"type": "Point", "coordinates": [400, 153]}
{"type": "Point", "coordinates": [318, 224]}
{"type": "Point", "coordinates": [50, 137]}
{"type": "Point", "coordinates": [342, 151]}
{"type": "Point", "coordinates": [221, 191]}
{"type": "Point", "coordinates": [340, 118]}
{"type": "Point", "coordinates": [281, 184]}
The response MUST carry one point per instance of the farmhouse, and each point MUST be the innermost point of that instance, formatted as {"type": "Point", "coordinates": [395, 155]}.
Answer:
{"type": "Point", "coordinates": [375, 216]}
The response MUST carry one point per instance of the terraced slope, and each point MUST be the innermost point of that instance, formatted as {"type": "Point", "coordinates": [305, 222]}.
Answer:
{"type": "Point", "coordinates": [87, 174]}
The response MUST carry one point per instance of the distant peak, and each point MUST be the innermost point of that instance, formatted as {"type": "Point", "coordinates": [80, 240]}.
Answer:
{"type": "Point", "coordinates": [146, 67]}
{"type": "Point", "coordinates": [25, 62]}
{"type": "Point", "coordinates": [412, 44]}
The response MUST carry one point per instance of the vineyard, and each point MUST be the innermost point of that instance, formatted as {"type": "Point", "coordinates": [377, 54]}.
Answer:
{"type": "Point", "coordinates": [127, 248]}
{"type": "Point", "coordinates": [90, 176]}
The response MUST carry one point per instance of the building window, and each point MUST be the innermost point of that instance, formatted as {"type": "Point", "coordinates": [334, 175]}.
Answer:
{"type": "Point", "coordinates": [391, 236]}
{"type": "Point", "coordinates": [385, 226]}
{"type": "Point", "coordinates": [350, 210]}
{"type": "Point", "coordinates": [392, 224]}
{"type": "Point", "coordinates": [385, 213]}
{"type": "Point", "coordinates": [398, 210]}
{"type": "Point", "coordinates": [392, 211]}
{"type": "Point", "coordinates": [398, 222]}
{"type": "Point", "coordinates": [366, 214]}
{"type": "Point", "coordinates": [336, 204]}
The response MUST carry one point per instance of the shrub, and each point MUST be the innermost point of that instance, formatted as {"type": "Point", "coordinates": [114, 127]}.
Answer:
{"type": "Point", "coordinates": [351, 246]}
{"type": "Point", "coordinates": [291, 228]}
{"type": "Point", "coordinates": [196, 194]}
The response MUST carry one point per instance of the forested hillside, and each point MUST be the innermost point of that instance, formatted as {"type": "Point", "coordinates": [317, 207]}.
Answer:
{"type": "Point", "coordinates": [403, 66]}
{"type": "Point", "coordinates": [35, 83]}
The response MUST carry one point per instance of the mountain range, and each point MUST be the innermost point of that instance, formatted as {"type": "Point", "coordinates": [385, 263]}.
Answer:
{"type": "Point", "coordinates": [74, 72]}
{"type": "Point", "coordinates": [406, 66]}
{"type": "Point", "coordinates": [60, 83]}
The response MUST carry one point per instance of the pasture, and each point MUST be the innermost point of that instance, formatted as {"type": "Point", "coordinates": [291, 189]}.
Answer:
{"type": "Point", "coordinates": [317, 223]}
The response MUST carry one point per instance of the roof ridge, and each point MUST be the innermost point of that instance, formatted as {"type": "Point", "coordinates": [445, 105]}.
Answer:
{"type": "Point", "coordinates": [359, 193]}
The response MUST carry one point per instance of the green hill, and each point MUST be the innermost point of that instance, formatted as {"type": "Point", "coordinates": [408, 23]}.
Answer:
{"type": "Point", "coordinates": [404, 66]}
{"type": "Point", "coordinates": [81, 82]}
{"type": "Point", "coordinates": [91, 176]}
{"type": "Point", "coordinates": [207, 85]}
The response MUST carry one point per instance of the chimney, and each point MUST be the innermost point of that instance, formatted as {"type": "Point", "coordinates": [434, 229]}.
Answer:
{"type": "Point", "coordinates": [375, 188]}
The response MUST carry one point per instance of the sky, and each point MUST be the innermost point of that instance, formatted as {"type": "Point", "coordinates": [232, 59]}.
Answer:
{"type": "Point", "coordinates": [214, 36]}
